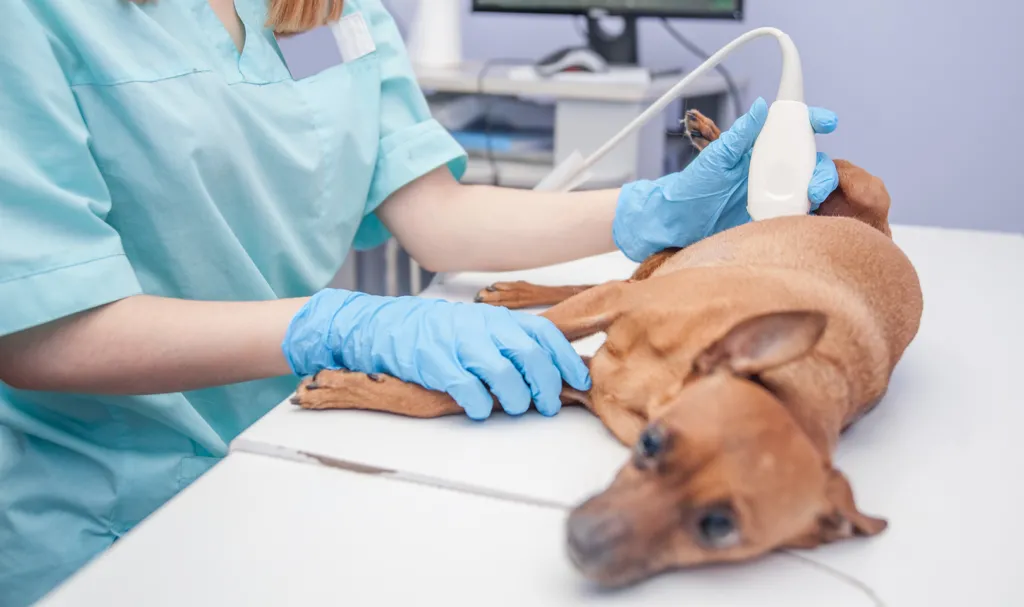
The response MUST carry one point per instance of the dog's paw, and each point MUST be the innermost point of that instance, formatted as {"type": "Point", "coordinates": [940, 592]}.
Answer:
{"type": "Point", "coordinates": [341, 389]}
{"type": "Point", "coordinates": [520, 294]}
{"type": "Point", "coordinates": [503, 293]}
{"type": "Point", "coordinates": [700, 129]}
{"type": "Point", "coordinates": [332, 389]}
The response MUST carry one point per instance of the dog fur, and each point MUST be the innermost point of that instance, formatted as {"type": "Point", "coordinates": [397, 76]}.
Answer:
{"type": "Point", "coordinates": [732, 367]}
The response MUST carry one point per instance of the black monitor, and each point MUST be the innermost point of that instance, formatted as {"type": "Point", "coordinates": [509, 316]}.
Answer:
{"type": "Point", "coordinates": [621, 49]}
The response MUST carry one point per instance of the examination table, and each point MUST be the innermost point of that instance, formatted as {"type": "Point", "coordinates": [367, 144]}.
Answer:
{"type": "Point", "coordinates": [360, 508]}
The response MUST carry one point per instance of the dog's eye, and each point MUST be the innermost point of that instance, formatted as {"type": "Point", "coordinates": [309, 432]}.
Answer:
{"type": "Point", "coordinates": [759, 381]}
{"type": "Point", "coordinates": [651, 443]}
{"type": "Point", "coordinates": [717, 528]}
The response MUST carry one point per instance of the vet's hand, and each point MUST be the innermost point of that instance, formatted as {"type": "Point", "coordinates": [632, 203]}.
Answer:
{"type": "Point", "coordinates": [710, 195]}
{"type": "Point", "coordinates": [460, 349]}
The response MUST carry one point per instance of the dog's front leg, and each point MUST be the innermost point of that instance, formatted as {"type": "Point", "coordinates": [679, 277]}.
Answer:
{"type": "Point", "coordinates": [343, 389]}
{"type": "Point", "coordinates": [520, 294]}
{"type": "Point", "coordinates": [590, 312]}
{"type": "Point", "coordinates": [379, 392]}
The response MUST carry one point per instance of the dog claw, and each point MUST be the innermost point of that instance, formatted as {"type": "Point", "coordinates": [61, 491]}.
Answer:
{"type": "Point", "coordinates": [375, 377]}
{"type": "Point", "coordinates": [313, 385]}
{"type": "Point", "coordinates": [295, 400]}
{"type": "Point", "coordinates": [697, 134]}
{"type": "Point", "coordinates": [491, 289]}
{"type": "Point", "coordinates": [478, 299]}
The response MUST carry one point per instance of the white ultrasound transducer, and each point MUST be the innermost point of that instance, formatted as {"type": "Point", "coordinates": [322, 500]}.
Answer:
{"type": "Point", "coordinates": [784, 155]}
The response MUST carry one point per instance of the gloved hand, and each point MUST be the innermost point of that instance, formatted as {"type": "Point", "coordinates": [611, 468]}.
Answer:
{"type": "Point", "coordinates": [449, 347]}
{"type": "Point", "coordinates": [710, 194]}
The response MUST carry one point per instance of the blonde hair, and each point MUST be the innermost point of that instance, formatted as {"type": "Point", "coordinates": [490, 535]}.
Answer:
{"type": "Point", "coordinates": [296, 16]}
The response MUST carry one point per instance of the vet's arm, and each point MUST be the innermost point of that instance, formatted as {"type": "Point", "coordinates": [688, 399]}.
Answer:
{"type": "Point", "coordinates": [447, 226]}
{"type": "Point", "coordinates": [148, 345]}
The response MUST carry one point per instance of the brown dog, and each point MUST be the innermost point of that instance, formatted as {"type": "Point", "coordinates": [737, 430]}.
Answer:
{"type": "Point", "coordinates": [733, 366]}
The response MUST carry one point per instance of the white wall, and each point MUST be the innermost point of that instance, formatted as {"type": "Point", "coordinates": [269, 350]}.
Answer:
{"type": "Point", "coordinates": [929, 93]}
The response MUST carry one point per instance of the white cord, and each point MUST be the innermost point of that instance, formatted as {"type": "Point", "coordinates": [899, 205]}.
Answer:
{"type": "Point", "coordinates": [791, 88]}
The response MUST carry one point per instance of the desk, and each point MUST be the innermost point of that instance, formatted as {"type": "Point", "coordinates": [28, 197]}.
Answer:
{"type": "Point", "coordinates": [941, 458]}
{"type": "Point", "coordinates": [499, 81]}
{"type": "Point", "coordinates": [588, 112]}
{"type": "Point", "coordinates": [259, 531]}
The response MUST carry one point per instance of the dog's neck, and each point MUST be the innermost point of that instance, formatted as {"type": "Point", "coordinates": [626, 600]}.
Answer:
{"type": "Point", "coordinates": [817, 395]}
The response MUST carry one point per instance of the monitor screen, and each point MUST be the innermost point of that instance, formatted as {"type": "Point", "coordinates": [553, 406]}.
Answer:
{"type": "Point", "coordinates": [715, 9]}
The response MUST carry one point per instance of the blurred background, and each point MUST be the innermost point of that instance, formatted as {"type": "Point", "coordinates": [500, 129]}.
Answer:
{"type": "Point", "coordinates": [929, 92]}
{"type": "Point", "coordinates": [925, 90]}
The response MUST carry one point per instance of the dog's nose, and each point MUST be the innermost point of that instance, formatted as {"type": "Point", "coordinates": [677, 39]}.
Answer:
{"type": "Point", "coordinates": [592, 535]}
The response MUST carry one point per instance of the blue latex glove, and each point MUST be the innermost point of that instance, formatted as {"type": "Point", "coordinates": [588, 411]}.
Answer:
{"type": "Point", "coordinates": [448, 347]}
{"type": "Point", "coordinates": [710, 194]}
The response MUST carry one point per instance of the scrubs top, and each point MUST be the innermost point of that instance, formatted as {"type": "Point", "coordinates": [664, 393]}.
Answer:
{"type": "Point", "coordinates": [140, 152]}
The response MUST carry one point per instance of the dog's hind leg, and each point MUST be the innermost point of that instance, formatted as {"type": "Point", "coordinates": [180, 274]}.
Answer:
{"type": "Point", "coordinates": [651, 264]}
{"type": "Point", "coordinates": [700, 129]}
{"type": "Point", "coordinates": [519, 294]}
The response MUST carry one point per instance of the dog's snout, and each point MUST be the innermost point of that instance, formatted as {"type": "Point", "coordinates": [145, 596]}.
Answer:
{"type": "Point", "coordinates": [591, 535]}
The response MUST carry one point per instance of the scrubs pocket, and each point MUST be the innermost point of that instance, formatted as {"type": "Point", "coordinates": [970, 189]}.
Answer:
{"type": "Point", "coordinates": [192, 468]}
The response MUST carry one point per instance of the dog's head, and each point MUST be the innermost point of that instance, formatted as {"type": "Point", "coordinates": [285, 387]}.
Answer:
{"type": "Point", "coordinates": [723, 473]}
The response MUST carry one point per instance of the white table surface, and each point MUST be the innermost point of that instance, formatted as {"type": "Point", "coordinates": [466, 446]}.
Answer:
{"type": "Point", "coordinates": [941, 458]}
{"type": "Point", "coordinates": [497, 80]}
{"type": "Point", "coordinates": [549, 460]}
{"type": "Point", "coordinates": [260, 531]}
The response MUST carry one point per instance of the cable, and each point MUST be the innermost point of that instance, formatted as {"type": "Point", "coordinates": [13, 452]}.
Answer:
{"type": "Point", "coordinates": [839, 575]}
{"type": "Point", "coordinates": [791, 89]}
{"type": "Point", "coordinates": [696, 50]}
{"type": "Point", "coordinates": [693, 48]}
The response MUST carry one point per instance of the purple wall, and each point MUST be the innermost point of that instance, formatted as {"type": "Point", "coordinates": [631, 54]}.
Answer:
{"type": "Point", "coordinates": [929, 92]}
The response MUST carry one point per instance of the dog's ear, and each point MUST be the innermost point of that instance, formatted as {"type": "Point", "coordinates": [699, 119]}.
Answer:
{"type": "Point", "coordinates": [763, 342]}
{"type": "Point", "coordinates": [845, 520]}
{"type": "Point", "coordinates": [840, 519]}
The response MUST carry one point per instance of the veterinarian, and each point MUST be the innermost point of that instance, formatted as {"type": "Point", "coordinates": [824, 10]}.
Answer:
{"type": "Point", "coordinates": [172, 204]}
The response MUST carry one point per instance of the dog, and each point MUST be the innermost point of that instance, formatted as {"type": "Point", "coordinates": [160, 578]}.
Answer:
{"type": "Point", "coordinates": [731, 367]}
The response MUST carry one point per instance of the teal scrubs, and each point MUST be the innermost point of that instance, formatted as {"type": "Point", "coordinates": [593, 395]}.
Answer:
{"type": "Point", "coordinates": [141, 153]}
